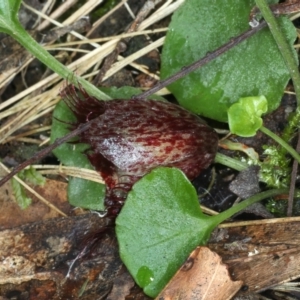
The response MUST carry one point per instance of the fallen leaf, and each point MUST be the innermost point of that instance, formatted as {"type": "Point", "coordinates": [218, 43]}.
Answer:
{"type": "Point", "coordinates": [203, 276]}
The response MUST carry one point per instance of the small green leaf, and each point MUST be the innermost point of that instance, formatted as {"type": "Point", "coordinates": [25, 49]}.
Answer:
{"type": "Point", "coordinates": [20, 194]}
{"type": "Point", "coordinates": [159, 225]}
{"type": "Point", "coordinates": [32, 176]}
{"type": "Point", "coordinates": [244, 117]}
{"type": "Point", "coordinates": [254, 67]}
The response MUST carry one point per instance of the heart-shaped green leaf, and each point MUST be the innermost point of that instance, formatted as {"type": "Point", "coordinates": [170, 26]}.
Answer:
{"type": "Point", "coordinates": [159, 225]}
{"type": "Point", "coordinates": [254, 67]}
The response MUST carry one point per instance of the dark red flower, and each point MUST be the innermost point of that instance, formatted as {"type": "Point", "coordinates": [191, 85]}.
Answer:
{"type": "Point", "coordinates": [131, 137]}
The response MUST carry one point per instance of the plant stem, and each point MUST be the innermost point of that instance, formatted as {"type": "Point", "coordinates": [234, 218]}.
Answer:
{"type": "Point", "coordinates": [282, 44]}
{"type": "Point", "coordinates": [21, 35]}
{"type": "Point", "coordinates": [230, 162]}
{"type": "Point", "coordinates": [281, 142]}
{"type": "Point", "coordinates": [242, 205]}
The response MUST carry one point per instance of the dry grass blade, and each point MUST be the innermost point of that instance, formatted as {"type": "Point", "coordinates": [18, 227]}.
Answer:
{"type": "Point", "coordinates": [124, 62]}
{"type": "Point", "coordinates": [259, 222]}
{"type": "Point", "coordinates": [105, 39]}
{"type": "Point", "coordinates": [28, 133]}
{"type": "Point", "coordinates": [82, 173]}
{"type": "Point", "coordinates": [57, 13]}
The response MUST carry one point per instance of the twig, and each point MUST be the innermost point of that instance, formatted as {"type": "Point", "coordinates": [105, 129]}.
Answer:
{"type": "Point", "coordinates": [293, 181]}
{"type": "Point", "coordinates": [287, 7]}
{"type": "Point", "coordinates": [282, 43]}
{"type": "Point", "coordinates": [209, 57]}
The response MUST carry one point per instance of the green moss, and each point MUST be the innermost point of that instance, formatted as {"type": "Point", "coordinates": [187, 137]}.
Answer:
{"type": "Point", "coordinates": [103, 9]}
{"type": "Point", "coordinates": [275, 169]}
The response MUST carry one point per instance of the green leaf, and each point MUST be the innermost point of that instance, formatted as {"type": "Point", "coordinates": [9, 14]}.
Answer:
{"type": "Point", "coordinates": [31, 175]}
{"type": "Point", "coordinates": [20, 194]}
{"type": "Point", "coordinates": [8, 15]}
{"type": "Point", "coordinates": [70, 154]}
{"type": "Point", "coordinates": [159, 225]}
{"type": "Point", "coordinates": [81, 192]}
{"type": "Point", "coordinates": [86, 194]}
{"type": "Point", "coordinates": [244, 117]}
{"type": "Point", "coordinates": [10, 8]}
{"type": "Point", "coordinates": [254, 67]}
